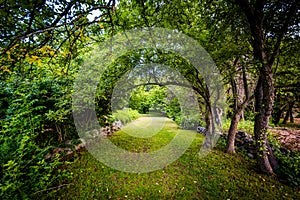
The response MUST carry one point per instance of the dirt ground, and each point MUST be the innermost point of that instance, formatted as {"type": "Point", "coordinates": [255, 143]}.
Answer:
{"type": "Point", "coordinates": [288, 137]}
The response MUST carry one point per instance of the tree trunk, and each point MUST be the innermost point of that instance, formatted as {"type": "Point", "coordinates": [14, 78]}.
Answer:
{"type": "Point", "coordinates": [261, 139]}
{"type": "Point", "coordinates": [277, 116]}
{"type": "Point", "coordinates": [238, 110]}
{"type": "Point", "coordinates": [232, 132]}
{"type": "Point", "coordinates": [211, 133]}
{"type": "Point", "coordinates": [291, 111]}
{"type": "Point", "coordinates": [207, 117]}
{"type": "Point", "coordinates": [264, 96]}
{"type": "Point", "coordinates": [242, 117]}
{"type": "Point", "coordinates": [286, 118]}
{"type": "Point", "coordinates": [291, 117]}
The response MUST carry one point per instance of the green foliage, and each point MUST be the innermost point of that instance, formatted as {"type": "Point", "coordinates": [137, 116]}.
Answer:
{"type": "Point", "coordinates": [191, 122]}
{"type": "Point", "coordinates": [244, 125]}
{"type": "Point", "coordinates": [158, 99]}
{"type": "Point", "coordinates": [46, 103]}
{"type": "Point", "coordinates": [287, 82]}
{"type": "Point", "coordinates": [172, 109]}
{"type": "Point", "coordinates": [147, 97]}
{"type": "Point", "coordinates": [37, 75]}
{"type": "Point", "coordinates": [125, 116]}
{"type": "Point", "coordinates": [55, 24]}
{"type": "Point", "coordinates": [289, 168]}
{"type": "Point", "coordinates": [294, 125]}
{"type": "Point", "coordinates": [24, 169]}
{"type": "Point", "coordinates": [35, 117]}
{"type": "Point", "coordinates": [221, 143]}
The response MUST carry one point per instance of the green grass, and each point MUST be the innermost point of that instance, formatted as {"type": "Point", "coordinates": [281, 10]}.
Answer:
{"type": "Point", "coordinates": [216, 176]}
{"type": "Point", "coordinates": [244, 125]}
{"type": "Point", "coordinates": [290, 125]}
{"type": "Point", "coordinates": [144, 133]}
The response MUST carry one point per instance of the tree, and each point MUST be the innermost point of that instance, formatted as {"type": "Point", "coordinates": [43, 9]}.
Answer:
{"type": "Point", "coordinates": [37, 41]}
{"type": "Point", "coordinates": [39, 24]}
{"type": "Point", "coordinates": [269, 23]}
{"type": "Point", "coordinates": [241, 99]}
{"type": "Point", "coordinates": [146, 97]}
{"type": "Point", "coordinates": [287, 71]}
{"type": "Point", "coordinates": [129, 73]}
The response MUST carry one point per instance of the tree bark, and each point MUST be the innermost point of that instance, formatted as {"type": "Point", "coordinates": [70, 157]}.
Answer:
{"type": "Point", "coordinates": [264, 95]}
{"type": "Point", "coordinates": [238, 109]}
{"type": "Point", "coordinates": [264, 98]}
{"type": "Point", "coordinates": [278, 114]}
{"type": "Point", "coordinates": [286, 117]}
{"type": "Point", "coordinates": [291, 112]}
{"type": "Point", "coordinates": [208, 141]}
{"type": "Point", "coordinates": [232, 132]}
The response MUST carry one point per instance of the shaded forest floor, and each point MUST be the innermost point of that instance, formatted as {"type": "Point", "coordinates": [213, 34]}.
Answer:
{"type": "Point", "coordinates": [289, 134]}
{"type": "Point", "coordinates": [215, 176]}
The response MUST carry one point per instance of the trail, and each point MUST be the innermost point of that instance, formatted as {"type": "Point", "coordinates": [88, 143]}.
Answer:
{"type": "Point", "coordinates": [145, 127]}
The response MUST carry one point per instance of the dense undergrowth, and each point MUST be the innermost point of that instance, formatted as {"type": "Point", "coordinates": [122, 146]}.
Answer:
{"type": "Point", "coordinates": [35, 118]}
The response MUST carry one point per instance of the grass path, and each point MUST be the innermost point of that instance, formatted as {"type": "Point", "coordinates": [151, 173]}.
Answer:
{"type": "Point", "coordinates": [216, 176]}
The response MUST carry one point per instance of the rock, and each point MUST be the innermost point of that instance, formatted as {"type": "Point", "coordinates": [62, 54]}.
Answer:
{"type": "Point", "coordinates": [81, 145]}
{"type": "Point", "coordinates": [68, 142]}
{"type": "Point", "coordinates": [250, 155]}
{"type": "Point", "coordinates": [245, 143]}
{"type": "Point", "coordinates": [288, 138]}
{"type": "Point", "coordinates": [117, 125]}
{"type": "Point", "coordinates": [241, 134]}
{"type": "Point", "coordinates": [62, 150]}
{"type": "Point", "coordinates": [66, 151]}
{"type": "Point", "coordinates": [201, 129]}
{"type": "Point", "coordinates": [95, 132]}
{"type": "Point", "coordinates": [92, 134]}
{"type": "Point", "coordinates": [102, 130]}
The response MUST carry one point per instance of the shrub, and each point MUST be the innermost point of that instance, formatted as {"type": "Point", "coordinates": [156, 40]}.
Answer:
{"type": "Point", "coordinates": [289, 168]}
{"type": "Point", "coordinates": [133, 114]}
{"type": "Point", "coordinates": [190, 122]}
{"type": "Point", "coordinates": [24, 141]}
{"type": "Point", "coordinates": [24, 170]}
{"type": "Point", "coordinates": [126, 115]}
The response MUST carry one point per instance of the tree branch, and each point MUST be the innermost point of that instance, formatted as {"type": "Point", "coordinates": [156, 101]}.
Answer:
{"type": "Point", "coordinates": [289, 17]}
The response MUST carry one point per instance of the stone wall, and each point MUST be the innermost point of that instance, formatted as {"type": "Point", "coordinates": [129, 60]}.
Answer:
{"type": "Point", "coordinates": [90, 137]}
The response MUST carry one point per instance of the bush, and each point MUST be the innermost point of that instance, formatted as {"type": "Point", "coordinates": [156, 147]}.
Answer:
{"type": "Point", "coordinates": [24, 170]}
{"type": "Point", "coordinates": [190, 122]}
{"type": "Point", "coordinates": [32, 106]}
{"type": "Point", "coordinates": [289, 168]}
{"type": "Point", "coordinates": [125, 116]}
